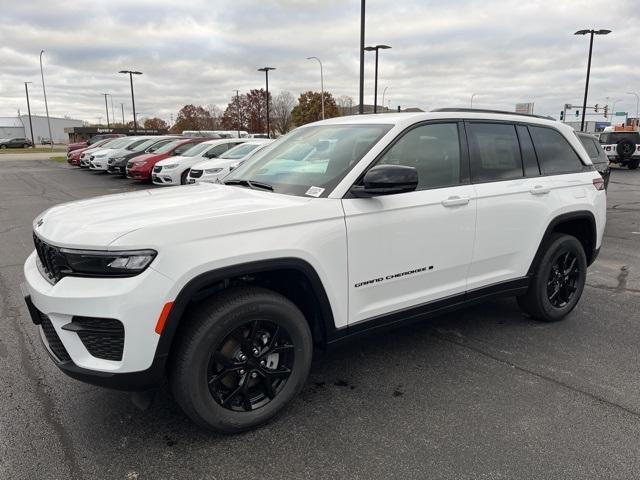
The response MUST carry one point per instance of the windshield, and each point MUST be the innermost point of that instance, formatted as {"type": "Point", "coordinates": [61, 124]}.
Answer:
{"type": "Point", "coordinates": [133, 145]}
{"type": "Point", "coordinates": [615, 137]}
{"type": "Point", "coordinates": [239, 151]}
{"type": "Point", "coordinates": [119, 143]}
{"type": "Point", "coordinates": [318, 156]}
{"type": "Point", "coordinates": [141, 147]}
{"type": "Point", "coordinates": [196, 150]}
{"type": "Point", "coordinates": [169, 146]}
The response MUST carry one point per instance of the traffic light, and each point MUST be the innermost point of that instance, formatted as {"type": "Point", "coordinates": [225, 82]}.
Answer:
{"type": "Point", "coordinates": [596, 108]}
{"type": "Point", "coordinates": [562, 115]}
{"type": "Point", "coordinates": [577, 113]}
{"type": "Point", "coordinates": [606, 111]}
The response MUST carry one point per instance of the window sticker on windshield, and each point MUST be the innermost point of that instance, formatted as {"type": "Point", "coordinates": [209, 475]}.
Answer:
{"type": "Point", "coordinates": [314, 191]}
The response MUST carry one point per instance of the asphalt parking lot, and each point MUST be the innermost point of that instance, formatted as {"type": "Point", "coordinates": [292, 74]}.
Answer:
{"type": "Point", "coordinates": [482, 393]}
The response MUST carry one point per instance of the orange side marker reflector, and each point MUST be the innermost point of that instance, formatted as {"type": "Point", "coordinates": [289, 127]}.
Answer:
{"type": "Point", "coordinates": [163, 317]}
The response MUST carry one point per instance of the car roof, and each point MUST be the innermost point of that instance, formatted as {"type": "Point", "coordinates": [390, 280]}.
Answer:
{"type": "Point", "coordinates": [225, 140]}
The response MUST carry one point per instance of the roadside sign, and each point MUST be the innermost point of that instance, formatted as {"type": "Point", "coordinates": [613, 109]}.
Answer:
{"type": "Point", "coordinates": [620, 114]}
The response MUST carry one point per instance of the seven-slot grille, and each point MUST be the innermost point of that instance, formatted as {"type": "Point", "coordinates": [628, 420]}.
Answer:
{"type": "Point", "coordinates": [49, 259]}
{"type": "Point", "coordinates": [195, 173]}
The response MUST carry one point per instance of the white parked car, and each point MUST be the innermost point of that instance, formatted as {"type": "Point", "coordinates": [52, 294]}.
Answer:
{"type": "Point", "coordinates": [100, 159]}
{"type": "Point", "coordinates": [216, 168]}
{"type": "Point", "coordinates": [341, 227]}
{"type": "Point", "coordinates": [86, 155]}
{"type": "Point", "coordinates": [174, 170]}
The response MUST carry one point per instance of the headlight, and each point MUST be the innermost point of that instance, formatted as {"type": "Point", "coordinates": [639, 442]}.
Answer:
{"type": "Point", "coordinates": [213, 170]}
{"type": "Point", "coordinates": [171, 166]}
{"type": "Point", "coordinates": [106, 264]}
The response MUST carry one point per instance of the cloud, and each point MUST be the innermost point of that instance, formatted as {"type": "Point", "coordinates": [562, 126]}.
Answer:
{"type": "Point", "coordinates": [507, 51]}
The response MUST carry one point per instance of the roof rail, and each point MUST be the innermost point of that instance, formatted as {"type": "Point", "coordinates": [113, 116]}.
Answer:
{"type": "Point", "coordinates": [481, 110]}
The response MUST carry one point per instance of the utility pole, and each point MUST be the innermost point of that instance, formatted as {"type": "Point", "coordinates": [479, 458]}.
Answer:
{"type": "Point", "coordinates": [362, 13]}
{"type": "Point", "coordinates": [106, 108]}
{"type": "Point", "coordinates": [46, 106]}
{"type": "Point", "coordinates": [122, 107]}
{"type": "Point", "coordinates": [586, 86]}
{"type": "Point", "coordinates": [266, 76]}
{"type": "Point", "coordinates": [133, 100]}
{"type": "Point", "coordinates": [26, 89]}
{"type": "Point", "coordinates": [238, 111]}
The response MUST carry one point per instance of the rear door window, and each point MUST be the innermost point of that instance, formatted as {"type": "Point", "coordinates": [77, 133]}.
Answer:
{"type": "Point", "coordinates": [555, 154]}
{"type": "Point", "coordinates": [495, 152]}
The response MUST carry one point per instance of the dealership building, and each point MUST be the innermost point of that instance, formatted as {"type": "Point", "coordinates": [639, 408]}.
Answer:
{"type": "Point", "coordinates": [18, 126]}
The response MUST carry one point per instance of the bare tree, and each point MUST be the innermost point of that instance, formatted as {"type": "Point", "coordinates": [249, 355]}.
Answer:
{"type": "Point", "coordinates": [282, 104]}
{"type": "Point", "coordinates": [216, 115]}
{"type": "Point", "coordinates": [345, 104]}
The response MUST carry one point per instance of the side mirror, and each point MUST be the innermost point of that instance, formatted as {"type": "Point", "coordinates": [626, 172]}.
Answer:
{"type": "Point", "coordinates": [387, 180]}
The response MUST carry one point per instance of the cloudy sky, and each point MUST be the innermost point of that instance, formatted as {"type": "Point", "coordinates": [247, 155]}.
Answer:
{"type": "Point", "coordinates": [506, 51]}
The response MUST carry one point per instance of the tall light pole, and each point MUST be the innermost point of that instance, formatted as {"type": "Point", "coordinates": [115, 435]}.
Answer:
{"type": "Point", "coordinates": [586, 86]}
{"type": "Point", "coordinates": [122, 107]}
{"type": "Point", "coordinates": [238, 111]}
{"type": "Point", "coordinates": [637, 105]}
{"type": "Point", "coordinates": [106, 108]}
{"type": "Point", "coordinates": [26, 90]}
{"type": "Point", "coordinates": [375, 88]}
{"type": "Point", "coordinates": [362, 12]}
{"type": "Point", "coordinates": [46, 105]}
{"type": "Point", "coordinates": [133, 100]}
{"type": "Point", "coordinates": [383, 92]}
{"type": "Point", "coordinates": [321, 83]}
{"type": "Point", "coordinates": [113, 115]}
{"type": "Point", "coordinates": [266, 76]}
{"type": "Point", "coordinates": [471, 103]}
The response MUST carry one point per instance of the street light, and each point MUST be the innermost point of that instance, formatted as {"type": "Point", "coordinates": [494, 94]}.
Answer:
{"type": "Point", "coordinates": [266, 76]}
{"type": "Point", "coordinates": [637, 104]}
{"type": "Point", "coordinates": [383, 92]}
{"type": "Point", "coordinates": [26, 89]}
{"type": "Point", "coordinates": [586, 86]}
{"type": "Point", "coordinates": [133, 101]}
{"type": "Point", "coordinates": [106, 108]}
{"type": "Point", "coordinates": [122, 107]}
{"type": "Point", "coordinates": [46, 106]}
{"type": "Point", "coordinates": [375, 88]}
{"type": "Point", "coordinates": [473, 95]}
{"type": "Point", "coordinates": [321, 83]}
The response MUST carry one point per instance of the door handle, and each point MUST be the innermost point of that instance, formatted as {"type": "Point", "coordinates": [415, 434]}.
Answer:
{"type": "Point", "coordinates": [455, 201]}
{"type": "Point", "coordinates": [539, 190]}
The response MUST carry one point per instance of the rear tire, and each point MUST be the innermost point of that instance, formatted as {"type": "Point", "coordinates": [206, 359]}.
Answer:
{"type": "Point", "coordinates": [244, 355]}
{"type": "Point", "coordinates": [633, 164]}
{"type": "Point", "coordinates": [559, 280]}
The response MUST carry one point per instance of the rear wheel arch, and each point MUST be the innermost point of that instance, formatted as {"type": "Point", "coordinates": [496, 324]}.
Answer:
{"type": "Point", "coordinates": [301, 285]}
{"type": "Point", "coordinates": [580, 224]}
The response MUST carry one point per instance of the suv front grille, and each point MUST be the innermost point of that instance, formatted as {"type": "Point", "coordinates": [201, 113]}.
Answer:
{"type": "Point", "coordinates": [49, 257]}
{"type": "Point", "coordinates": [55, 344]}
{"type": "Point", "coordinates": [195, 173]}
{"type": "Point", "coordinates": [102, 337]}
{"type": "Point", "coordinates": [157, 169]}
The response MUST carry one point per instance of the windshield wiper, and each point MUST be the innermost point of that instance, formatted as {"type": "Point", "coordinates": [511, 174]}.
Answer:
{"type": "Point", "coordinates": [251, 184]}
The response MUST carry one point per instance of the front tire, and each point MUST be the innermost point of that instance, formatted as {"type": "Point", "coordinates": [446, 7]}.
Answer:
{"type": "Point", "coordinates": [245, 354]}
{"type": "Point", "coordinates": [559, 281]}
{"type": "Point", "coordinates": [183, 177]}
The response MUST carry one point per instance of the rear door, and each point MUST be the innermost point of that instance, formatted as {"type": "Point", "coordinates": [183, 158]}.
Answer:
{"type": "Point", "coordinates": [411, 248]}
{"type": "Point", "coordinates": [511, 194]}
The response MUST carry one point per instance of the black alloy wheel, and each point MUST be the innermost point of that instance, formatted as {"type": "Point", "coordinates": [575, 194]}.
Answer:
{"type": "Point", "coordinates": [251, 366]}
{"type": "Point", "coordinates": [563, 279]}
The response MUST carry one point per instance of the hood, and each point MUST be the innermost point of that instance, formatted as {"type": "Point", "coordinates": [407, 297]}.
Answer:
{"type": "Point", "coordinates": [176, 159]}
{"type": "Point", "coordinates": [156, 215]}
{"type": "Point", "coordinates": [215, 163]}
{"type": "Point", "coordinates": [101, 152]}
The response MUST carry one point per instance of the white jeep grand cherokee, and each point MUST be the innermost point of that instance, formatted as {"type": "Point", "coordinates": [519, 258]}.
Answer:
{"type": "Point", "coordinates": [343, 226]}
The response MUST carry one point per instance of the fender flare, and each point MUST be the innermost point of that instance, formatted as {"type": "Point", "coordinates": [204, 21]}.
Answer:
{"type": "Point", "coordinates": [578, 215]}
{"type": "Point", "coordinates": [196, 284]}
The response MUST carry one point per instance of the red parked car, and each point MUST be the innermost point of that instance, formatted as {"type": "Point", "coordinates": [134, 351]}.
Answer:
{"type": "Point", "coordinates": [139, 168]}
{"type": "Point", "coordinates": [92, 141]}
{"type": "Point", "coordinates": [73, 157]}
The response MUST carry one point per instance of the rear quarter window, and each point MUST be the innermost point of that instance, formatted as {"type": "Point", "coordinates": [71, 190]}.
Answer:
{"type": "Point", "coordinates": [555, 154]}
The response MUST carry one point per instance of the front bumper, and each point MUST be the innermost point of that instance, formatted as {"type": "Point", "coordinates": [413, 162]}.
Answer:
{"type": "Point", "coordinates": [165, 178]}
{"type": "Point", "coordinates": [136, 302]}
{"type": "Point", "coordinates": [138, 173]}
{"type": "Point", "coordinates": [98, 164]}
